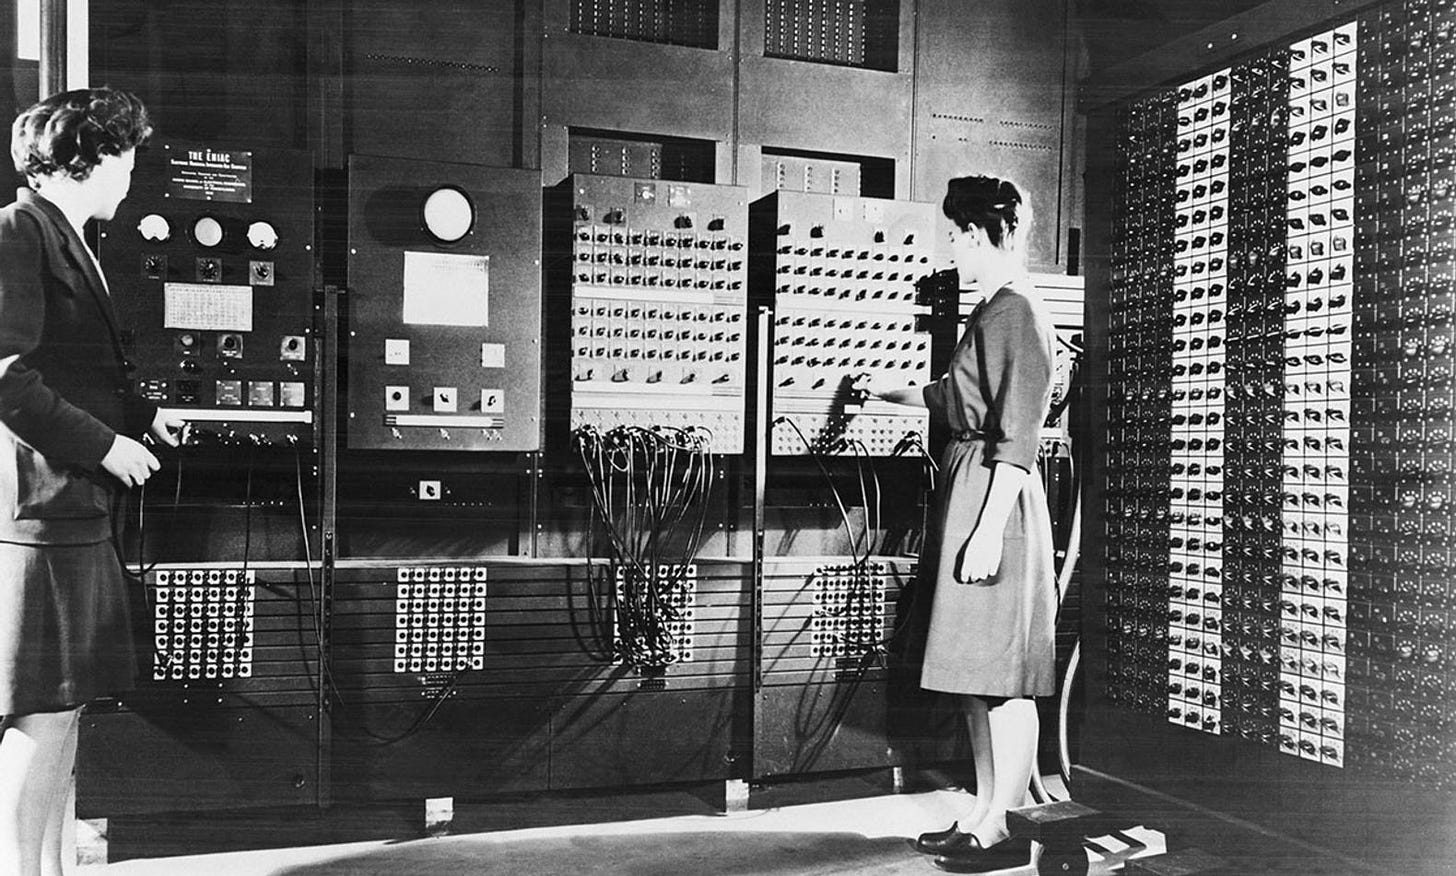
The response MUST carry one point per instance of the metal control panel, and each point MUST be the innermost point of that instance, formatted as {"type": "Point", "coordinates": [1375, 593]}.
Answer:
{"type": "Point", "coordinates": [210, 259]}
{"type": "Point", "coordinates": [658, 303]}
{"type": "Point", "coordinates": [824, 700]}
{"type": "Point", "coordinates": [225, 711]}
{"type": "Point", "coordinates": [444, 310]}
{"type": "Point", "coordinates": [840, 273]}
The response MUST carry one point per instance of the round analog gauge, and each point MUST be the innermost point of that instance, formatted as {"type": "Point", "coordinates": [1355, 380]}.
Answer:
{"type": "Point", "coordinates": [262, 235]}
{"type": "Point", "coordinates": [207, 231]}
{"type": "Point", "coordinates": [449, 215]}
{"type": "Point", "coordinates": [155, 228]}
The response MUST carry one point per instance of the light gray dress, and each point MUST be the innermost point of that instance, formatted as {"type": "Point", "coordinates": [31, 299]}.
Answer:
{"type": "Point", "coordinates": [994, 637]}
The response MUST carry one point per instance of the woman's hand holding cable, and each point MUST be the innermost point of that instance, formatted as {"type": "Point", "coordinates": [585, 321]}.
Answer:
{"type": "Point", "coordinates": [169, 429]}
{"type": "Point", "coordinates": [129, 461]}
{"type": "Point", "coordinates": [866, 385]}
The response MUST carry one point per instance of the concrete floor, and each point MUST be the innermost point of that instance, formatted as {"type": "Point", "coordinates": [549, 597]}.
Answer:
{"type": "Point", "coordinates": [864, 836]}
{"type": "Point", "coordinates": [640, 834]}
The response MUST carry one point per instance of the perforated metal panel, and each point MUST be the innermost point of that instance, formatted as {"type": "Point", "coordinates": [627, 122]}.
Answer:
{"type": "Point", "coordinates": [853, 33]}
{"type": "Point", "coordinates": [678, 22]}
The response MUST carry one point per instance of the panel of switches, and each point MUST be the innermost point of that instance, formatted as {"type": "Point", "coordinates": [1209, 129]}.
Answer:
{"type": "Point", "coordinates": [843, 272]}
{"type": "Point", "coordinates": [659, 298]}
{"type": "Point", "coordinates": [1139, 408]}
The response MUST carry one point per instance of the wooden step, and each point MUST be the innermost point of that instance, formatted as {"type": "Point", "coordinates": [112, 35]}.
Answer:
{"type": "Point", "coordinates": [1062, 823]}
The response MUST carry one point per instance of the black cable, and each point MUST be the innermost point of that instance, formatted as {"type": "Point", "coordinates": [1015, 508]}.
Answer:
{"type": "Point", "coordinates": [325, 674]}
{"type": "Point", "coordinates": [425, 716]}
{"type": "Point", "coordinates": [248, 509]}
{"type": "Point", "coordinates": [118, 516]}
{"type": "Point", "coordinates": [828, 479]}
{"type": "Point", "coordinates": [645, 484]}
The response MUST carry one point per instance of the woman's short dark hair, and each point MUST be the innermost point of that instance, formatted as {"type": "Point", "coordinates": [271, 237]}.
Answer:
{"type": "Point", "coordinates": [993, 205]}
{"type": "Point", "coordinates": [69, 132]}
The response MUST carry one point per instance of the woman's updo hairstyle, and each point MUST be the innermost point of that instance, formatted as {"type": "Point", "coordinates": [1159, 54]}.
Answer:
{"type": "Point", "coordinates": [991, 204]}
{"type": "Point", "coordinates": [70, 132]}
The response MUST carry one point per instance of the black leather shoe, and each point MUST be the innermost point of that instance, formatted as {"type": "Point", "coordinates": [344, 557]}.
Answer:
{"type": "Point", "coordinates": [939, 842]}
{"type": "Point", "coordinates": [971, 858]}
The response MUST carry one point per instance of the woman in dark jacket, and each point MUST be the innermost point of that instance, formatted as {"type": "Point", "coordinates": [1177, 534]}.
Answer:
{"type": "Point", "coordinates": [69, 424]}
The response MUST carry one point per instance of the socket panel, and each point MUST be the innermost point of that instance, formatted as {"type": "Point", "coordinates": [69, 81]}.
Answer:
{"type": "Point", "coordinates": [720, 422]}
{"type": "Point", "coordinates": [855, 431]}
{"type": "Point", "coordinates": [675, 589]}
{"type": "Point", "coordinates": [850, 617]}
{"type": "Point", "coordinates": [439, 619]}
{"type": "Point", "coordinates": [203, 625]}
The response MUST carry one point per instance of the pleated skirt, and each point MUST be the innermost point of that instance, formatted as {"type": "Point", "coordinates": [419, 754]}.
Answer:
{"type": "Point", "coordinates": [65, 627]}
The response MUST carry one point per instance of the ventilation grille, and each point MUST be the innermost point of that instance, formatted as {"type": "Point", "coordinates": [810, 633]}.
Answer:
{"type": "Point", "coordinates": [692, 23]}
{"type": "Point", "coordinates": [850, 33]}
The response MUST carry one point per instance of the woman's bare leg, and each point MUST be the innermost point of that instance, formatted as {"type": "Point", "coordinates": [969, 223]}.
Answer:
{"type": "Point", "coordinates": [36, 757]}
{"type": "Point", "coordinates": [53, 844]}
{"type": "Point", "coordinates": [979, 727]}
{"type": "Point", "coordinates": [1013, 741]}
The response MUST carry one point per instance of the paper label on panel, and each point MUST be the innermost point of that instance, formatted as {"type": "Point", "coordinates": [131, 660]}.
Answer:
{"type": "Point", "coordinates": [446, 289]}
{"type": "Point", "coordinates": [207, 307]}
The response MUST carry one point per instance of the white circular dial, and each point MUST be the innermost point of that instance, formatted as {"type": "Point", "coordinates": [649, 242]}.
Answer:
{"type": "Point", "coordinates": [155, 227]}
{"type": "Point", "coordinates": [207, 231]}
{"type": "Point", "coordinates": [262, 235]}
{"type": "Point", "coordinates": [449, 215]}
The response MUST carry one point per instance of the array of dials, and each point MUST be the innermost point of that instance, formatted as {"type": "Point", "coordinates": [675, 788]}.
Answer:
{"type": "Point", "coordinates": [1401, 686]}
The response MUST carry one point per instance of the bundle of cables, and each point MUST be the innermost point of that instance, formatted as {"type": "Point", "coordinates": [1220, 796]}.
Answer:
{"type": "Point", "coordinates": [862, 577]}
{"type": "Point", "coordinates": [650, 491]}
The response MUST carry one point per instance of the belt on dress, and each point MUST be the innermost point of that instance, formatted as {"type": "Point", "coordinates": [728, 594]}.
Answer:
{"type": "Point", "coordinates": [970, 435]}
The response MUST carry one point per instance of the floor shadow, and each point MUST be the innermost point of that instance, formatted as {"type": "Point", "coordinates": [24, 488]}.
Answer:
{"type": "Point", "coordinates": [702, 853]}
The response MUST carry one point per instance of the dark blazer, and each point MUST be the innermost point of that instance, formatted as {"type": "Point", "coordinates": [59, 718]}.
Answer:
{"type": "Point", "coordinates": [65, 398]}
